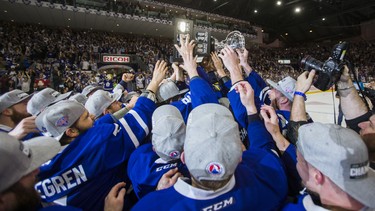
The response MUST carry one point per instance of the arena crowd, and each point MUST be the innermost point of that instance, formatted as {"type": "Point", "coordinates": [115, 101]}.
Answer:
{"type": "Point", "coordinates": [230, 132]}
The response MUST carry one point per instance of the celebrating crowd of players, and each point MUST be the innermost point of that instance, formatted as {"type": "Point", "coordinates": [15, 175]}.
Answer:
{"type": "Point", "coordinates": [225, 141]}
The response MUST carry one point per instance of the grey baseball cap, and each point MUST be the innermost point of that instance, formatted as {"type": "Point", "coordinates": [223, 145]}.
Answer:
{"type": "Point", "coordinates": [44, 98]}
{"type": "Point", "coordinates": [212, 144]}
{"type": "Point", "coordinates": [18, 159]}
{"type": "Point", "coordinates": [168, 132]}
{"type": "Point", "coordinates": [168, 90]}
{"type": "Point", "coordinates": [59, 117]}
{"type": "Point", "coordinates": [340, 154]}
{"type": "Point", "coordinates": [89, 89]}
{"type": "Point", "coordinates": [79, 98]}
{"type": "Point", "coordinates": [99, 101]}
{"type": "Point", "coordinates": [11, 98]}
{"type": "Point", "coordinates": [287, 86]}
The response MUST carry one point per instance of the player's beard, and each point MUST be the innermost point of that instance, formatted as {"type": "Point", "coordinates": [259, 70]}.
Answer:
{"type": "Point", "coordinates": [27, 198]}
{"type": "Point", "coordinates": [17, 117]}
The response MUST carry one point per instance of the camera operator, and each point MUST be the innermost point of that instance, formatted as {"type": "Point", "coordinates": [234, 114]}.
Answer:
{"type": "Point", "coordinates": [357, 115]}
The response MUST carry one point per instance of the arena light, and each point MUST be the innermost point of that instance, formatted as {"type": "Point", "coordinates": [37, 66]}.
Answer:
{"type": "Point", "coordinates": [323, 19]}
{"type": "Point", "coordinates": [297, 10]}
{"type": "Point", "coordinates": [182, 26]}
{"type": "Point", "coordinates": [278, 3]}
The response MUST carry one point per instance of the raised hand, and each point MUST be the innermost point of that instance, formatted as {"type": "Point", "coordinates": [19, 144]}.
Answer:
{"type": "Point", "coordinates": [26, 126]}
{"type": "Point", "coordinates": [231, 62]}
{"type": "Point", "coordinates": [219, 67]}
{"type": "Point", "coordinates": [127, 77]}
{"type": "Point", "coordinates": [217, 61]}
{"type": "Point", "coordinates": [243, 55]}
{"type": "Point", "coordinates": [247, 96]}
{"type": "Point", "coordinates": [345, 80]}
{"type": "Point", "coordinates": [304, 81]}
{"type": "Point", "coordinates": [271, 121]}
{"type": "Point", "coordinates": [158, 75]}
{"type": "Point", "coordinates": [186, 50]}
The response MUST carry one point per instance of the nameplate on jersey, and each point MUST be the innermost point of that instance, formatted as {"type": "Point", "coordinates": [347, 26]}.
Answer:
{"type": "Point", "coordinates": [61, 183]}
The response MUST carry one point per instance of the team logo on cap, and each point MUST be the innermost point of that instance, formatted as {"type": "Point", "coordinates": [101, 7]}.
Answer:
{"type": "Point", "coordinates": [63, 121]}
{"type": "Point", "coordinates": [174, 154]}
{"type": "Point", "coordinates": [215, 168]}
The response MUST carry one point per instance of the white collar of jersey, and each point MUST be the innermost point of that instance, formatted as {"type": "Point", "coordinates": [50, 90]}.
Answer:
{"type": "Point", "coordinates": [6, 128]}
{"type": "Point", "coordinates": [63, 148]}
{"type": "Point", "coordinates": [196, 193]}
{"type": "Point", "coordinates": [309, 204]}
{"type": "Point", "coordinates": [160, 161]}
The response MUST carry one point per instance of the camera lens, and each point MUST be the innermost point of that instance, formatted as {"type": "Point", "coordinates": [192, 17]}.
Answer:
{"type": "Point", "coordinates": [308, 63]}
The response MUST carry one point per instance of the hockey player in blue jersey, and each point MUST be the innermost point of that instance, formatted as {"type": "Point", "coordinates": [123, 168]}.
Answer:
{"type": "Point", "coordinates": [149, 162]}
{"type": "Point", "coordinates": [93, 159]}
{"type": "Point", "coordinates": [14, 118]}
{"type": "Point", "coordinates": [219, 179]}
{"type": "Point", "coordinates": [103, 102]}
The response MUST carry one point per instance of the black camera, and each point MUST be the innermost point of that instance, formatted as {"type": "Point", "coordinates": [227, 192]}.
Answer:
{"type": "Point", "coordinates": [328, 72]}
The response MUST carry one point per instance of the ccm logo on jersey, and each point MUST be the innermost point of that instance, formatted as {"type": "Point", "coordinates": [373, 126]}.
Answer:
{"type": "Point", "coordinates": [220, 205]}
{"type": "Point", "coordinates": [170, 165]}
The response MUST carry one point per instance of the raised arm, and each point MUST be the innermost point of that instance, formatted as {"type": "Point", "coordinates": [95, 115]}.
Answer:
{"type": "Point", "coordinates": [186, 51]}
{"type": "Point", "coordinates": [298, 113]}
{"type": "Point", "coordinates": [230, 60]}
{"type": "Point", "coordinates": [351, 103]}
{"type": "Point", "coordinates": [303, 84]}
{"type": "Point", "coordinates": [201, 91]}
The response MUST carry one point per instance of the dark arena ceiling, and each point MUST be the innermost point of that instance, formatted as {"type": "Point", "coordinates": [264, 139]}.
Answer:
{"type": "Point", "coordinates": [290, 21]}
{"type": "Point", "coordinates": [316, 20]}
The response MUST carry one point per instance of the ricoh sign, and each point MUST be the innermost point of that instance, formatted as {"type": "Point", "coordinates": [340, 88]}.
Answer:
{"type": "Point", "coordinates": [115, 59]}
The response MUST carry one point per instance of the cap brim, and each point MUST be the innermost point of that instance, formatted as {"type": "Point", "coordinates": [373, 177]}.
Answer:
{"type": "Point", "coordinates": [28, 97]}
{"type": "Point", "coordinates": [116, 97]}
{"type": "Point", "coordinates": [43, 149]}
{"type": "Point", "coordinates": [183, 91]}
{"type": "Point", "coordinates": [278, 88]}
{"type": "Point", "coordinates": [62, 97]}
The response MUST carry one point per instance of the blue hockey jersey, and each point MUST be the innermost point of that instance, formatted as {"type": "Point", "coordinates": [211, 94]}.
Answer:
{"type": "Point", "coordinates": [259, 183]}
{"type": "Point", "coordinates": [86, 169]}
{"type": "Point", "coordinates": [145, 168]}
{"type": "Point", "coordinates": [200, 93]}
